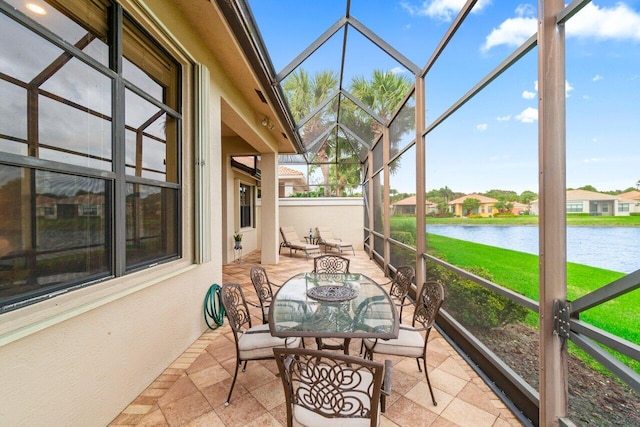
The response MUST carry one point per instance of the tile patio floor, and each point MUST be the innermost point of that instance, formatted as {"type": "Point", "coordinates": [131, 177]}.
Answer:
{"type": "Point", "coordinates": [193, 389]}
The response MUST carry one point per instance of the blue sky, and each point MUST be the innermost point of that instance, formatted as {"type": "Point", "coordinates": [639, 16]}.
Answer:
{"type": "Point", "coordinates": [492, 141]}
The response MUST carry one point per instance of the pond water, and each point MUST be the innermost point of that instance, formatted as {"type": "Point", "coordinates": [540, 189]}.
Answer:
{"type": "Point", "coordinates": [611, 248]}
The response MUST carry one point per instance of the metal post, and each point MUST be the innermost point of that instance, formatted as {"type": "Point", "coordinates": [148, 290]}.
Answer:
{"type": "Point", "coordinates": [420, 100]}
{"type": "Point", "coordinates": [552, 186]}
{"type": "Point", "coordinates": [386, 208]}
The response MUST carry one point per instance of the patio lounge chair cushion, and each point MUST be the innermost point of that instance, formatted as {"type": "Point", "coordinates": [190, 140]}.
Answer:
{"type": "Point", "coordinates": [329, 240]}
{"type": "Point", "coordinates": [292, 241]}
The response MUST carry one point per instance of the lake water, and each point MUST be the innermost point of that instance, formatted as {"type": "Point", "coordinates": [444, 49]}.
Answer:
{"type": "Point", "coordinates": [612, 248]}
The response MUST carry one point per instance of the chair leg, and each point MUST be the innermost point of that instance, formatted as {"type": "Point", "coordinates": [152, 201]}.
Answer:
{"type": "Point", "coordinates": [244, 368]}
{"type": "Point", "coordinates": [419, 367]}
{"type": "Point", "coordinates": [426, 374]}
{"type": "Point", "coordinates": [233, 383]}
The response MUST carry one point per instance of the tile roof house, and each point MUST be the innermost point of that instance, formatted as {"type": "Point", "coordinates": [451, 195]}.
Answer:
{"type": "Point", "coordinates": [596, 204]}
{"type": "Point", "coordinates": [485, 209]}
{"type": "Point", "coordinates": [408, 206]}
{"type": "Point", "coordinates": [291, 181]}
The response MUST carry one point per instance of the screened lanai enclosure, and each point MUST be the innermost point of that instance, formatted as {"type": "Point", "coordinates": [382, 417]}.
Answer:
{"type": "Point", "coordinates": [125, 125]}
{"type": "Point", "coordinates": [383, 110]}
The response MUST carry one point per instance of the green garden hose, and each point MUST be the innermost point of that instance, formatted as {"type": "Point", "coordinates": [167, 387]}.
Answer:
{"type": "Point", "coordinates": [213, 308]}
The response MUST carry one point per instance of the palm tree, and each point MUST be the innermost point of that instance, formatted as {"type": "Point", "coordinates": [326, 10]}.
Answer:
{"type": "Point", "coordinates": [446, 193]}
{"type": "Point", "coordinates": [303, 95]}
{"type": "Point", "coordinates": [383, 93]}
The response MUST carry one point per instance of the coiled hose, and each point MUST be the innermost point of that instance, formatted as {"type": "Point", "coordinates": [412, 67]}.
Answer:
{"type": "Point", "coordinates": [213, 308]}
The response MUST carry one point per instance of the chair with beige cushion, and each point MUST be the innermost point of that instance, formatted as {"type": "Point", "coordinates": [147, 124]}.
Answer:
{"type": "Point", "coordinates": [410, 341]}
{"type": "Point", "coordinates": [252, 342]}
{"type": "Point", "coordinates": [400, 285]}
{"type": "Point", "coordinates": [330, 264]}
{"type": "Point", "coordinates": [328, 389]}
{"type": "Point", "coordinates": [291, 240]}
{"type": "Point", "coordinates": [264, 290]}
{"type": "Point", "coordinates": [326, 238]}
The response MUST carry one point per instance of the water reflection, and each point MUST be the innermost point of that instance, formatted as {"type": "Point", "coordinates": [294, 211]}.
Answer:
{"type": "Point", "coordinates": [611, 248]}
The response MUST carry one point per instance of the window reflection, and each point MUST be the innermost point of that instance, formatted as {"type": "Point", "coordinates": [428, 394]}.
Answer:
{"type": "Point", "coordinates": [53, 230]}
{"type": "Point", "coordinates": [152, 223]}
{"type": "Point", "coordinates": [151, 140]}
{"type": "Point", "coordinates": [148, 66]}
{"type": "Point", "coordinates": [56, 229]}
{"type": "Point", "coordinates": [89, 37]}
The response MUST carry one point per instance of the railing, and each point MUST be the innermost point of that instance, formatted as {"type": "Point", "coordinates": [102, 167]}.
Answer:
{"type": "Point", "coordinates": [509, 385]}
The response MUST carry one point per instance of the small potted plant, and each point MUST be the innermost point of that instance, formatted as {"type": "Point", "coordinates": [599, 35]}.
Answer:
{"type": "Point", "coordinates": [237, 238]}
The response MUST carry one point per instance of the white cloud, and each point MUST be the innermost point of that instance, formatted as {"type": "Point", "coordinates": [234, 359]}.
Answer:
{"type": "Point", "coordinates": [529, 115]}
{"type": "Point", "coordinates": [444, 10]}
{"type": "Point", "coordinates": [594, 160]}
{"type": "Point", "coordinates": [512, 32]}
{"type": "Point", "coordinates": [482, 127]}
{"type": "Point", "coordinates": [398, 70]}
{"type": "Point", "coordinates": [597, 77]}
{"type": "Point", "coordinates": [601, 23]}
{"type": "Point", "coordinates": [504, 118]}
{"type": "Point", "coordinates": [618, 22]}
{"type": "Point", "coordinates": [567, 88]}
{"type": "Point", "coordinates": [531, 95]}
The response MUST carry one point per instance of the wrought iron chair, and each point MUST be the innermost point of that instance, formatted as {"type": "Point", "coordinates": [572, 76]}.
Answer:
{"type": "Point", "coordinates": [264, 290]}
{"type": "Point", "coordinates": [330, 264]}
{"type": "Point", "coordinates": [326, 238]}
{"type": "Point", "coordinates": [328, 389]}
{"type": "Point", "coordinates": [410, 342]}
{"type": "Point", "coordinates": [400, 285]}
{"type": "Point", "coordinates": [252, 342]}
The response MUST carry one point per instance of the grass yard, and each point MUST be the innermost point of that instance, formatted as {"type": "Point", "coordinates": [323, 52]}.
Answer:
{"type": "Point", "coordinates": [518, 271]}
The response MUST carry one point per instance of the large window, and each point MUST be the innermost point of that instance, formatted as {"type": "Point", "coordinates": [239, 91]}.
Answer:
{"type": "Point", "coordinates": [89, 148]}
{"type": "Point", "coordinates": [246, 206]}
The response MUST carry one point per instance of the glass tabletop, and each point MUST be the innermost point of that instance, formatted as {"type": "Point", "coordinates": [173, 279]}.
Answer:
{"type": "Point", "coordinates": [326, 305]}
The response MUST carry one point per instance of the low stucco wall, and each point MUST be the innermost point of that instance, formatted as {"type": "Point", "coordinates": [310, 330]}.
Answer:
{"type": "Point", "coordinates": [344, 216]}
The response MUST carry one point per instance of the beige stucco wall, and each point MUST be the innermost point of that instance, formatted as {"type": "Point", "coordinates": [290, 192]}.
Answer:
{"type": "Point", "coordinates": [80, 358]}
{"type": "Point", "coordinates": [345, 217]}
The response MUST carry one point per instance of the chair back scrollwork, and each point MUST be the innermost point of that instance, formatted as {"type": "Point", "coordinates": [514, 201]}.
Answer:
{"type": "Point", "coordinates": [429, 301]}
{"type": "Point", "coordinates": [330, 264]}
{"type": "Point", "coordinates": [329, 385]}
{"type": "Point", "coordinates": [235, 306]}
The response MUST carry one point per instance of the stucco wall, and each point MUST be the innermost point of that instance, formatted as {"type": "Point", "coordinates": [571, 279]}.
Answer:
{"type": "Point", "coordinates": [80, 358]}
{"type": "Point", "coordinates": [345, 217]}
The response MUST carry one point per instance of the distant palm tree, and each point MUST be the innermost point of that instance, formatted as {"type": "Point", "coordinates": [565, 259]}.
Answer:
{"type": "Point", "coordinates": [303, 94]}
{"type": "Point", "coordinates": [383, 94]}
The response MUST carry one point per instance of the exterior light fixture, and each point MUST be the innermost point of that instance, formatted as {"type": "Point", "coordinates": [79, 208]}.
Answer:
{"type": "Point", "coordinates": [35, 8]}
{"type": "Point", "coordinates": [267, 123]}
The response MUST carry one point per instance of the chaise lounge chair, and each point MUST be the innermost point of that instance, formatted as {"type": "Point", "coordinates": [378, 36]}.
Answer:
{"type": "Point", "coordinates": [291, 240]}
{"type": "Point", "coordinates": [326, 238]}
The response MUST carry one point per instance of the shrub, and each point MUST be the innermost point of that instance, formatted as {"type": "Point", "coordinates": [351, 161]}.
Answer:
{"type": "Point", "coordinates": [474, 305]}
{"type": "Point", "coordinates": [406, 237]}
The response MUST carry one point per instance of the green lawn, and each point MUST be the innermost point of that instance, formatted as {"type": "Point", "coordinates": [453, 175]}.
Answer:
{"type": "Point", "coordinates": [519, 272]}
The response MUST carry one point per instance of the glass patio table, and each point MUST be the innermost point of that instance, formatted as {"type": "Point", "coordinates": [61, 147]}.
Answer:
{"type": "Point", "coordinates": [323, 305]}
